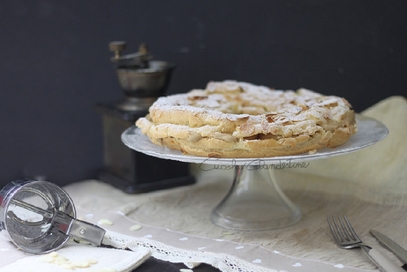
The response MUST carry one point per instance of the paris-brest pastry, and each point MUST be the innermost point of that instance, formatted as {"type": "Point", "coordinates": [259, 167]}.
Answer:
{"type": "Point", "coordinates": [231, 119]}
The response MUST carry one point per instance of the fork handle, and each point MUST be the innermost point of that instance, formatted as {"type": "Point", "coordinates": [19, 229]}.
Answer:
{"type": "Point", "coordinates": [383, 262]}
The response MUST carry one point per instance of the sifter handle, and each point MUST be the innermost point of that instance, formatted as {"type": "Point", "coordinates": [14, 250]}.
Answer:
{"type": "Point", "coordinates": [88, 232]}
{"type": "Point", "coordinates": [79, 229]}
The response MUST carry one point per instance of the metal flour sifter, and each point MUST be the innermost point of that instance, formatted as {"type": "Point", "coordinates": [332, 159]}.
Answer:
{"type": "Point", "coordinates": [39, 217]}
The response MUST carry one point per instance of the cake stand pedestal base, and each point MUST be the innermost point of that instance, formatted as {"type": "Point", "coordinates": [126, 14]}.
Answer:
{"type": "Point", "coordinates": [255, 202]}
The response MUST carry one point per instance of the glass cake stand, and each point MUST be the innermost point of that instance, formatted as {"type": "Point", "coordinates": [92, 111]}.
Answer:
{"type": "Point", "coordinates": [255, 201]}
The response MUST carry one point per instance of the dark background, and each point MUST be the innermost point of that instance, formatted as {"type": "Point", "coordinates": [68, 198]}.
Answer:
{"type": "Point", "coordinates": [55, 63]}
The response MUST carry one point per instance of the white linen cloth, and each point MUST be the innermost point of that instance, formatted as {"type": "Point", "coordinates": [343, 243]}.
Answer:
{"type": "Point", "coordinates": [72, 256]}
{"type": "Point", "coordinates": [369, 186]}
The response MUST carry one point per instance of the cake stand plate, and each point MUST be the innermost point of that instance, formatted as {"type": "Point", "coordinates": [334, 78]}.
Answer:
{"type": "Point", "coordinates": [255, 201]}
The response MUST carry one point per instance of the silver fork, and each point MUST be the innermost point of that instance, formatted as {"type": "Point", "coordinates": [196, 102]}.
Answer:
{"type": "Point", "coordinates": [346, 237]}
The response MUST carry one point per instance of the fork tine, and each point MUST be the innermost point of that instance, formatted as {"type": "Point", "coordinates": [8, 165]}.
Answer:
{"type": "Point", "coordinates": [350, 228]}
{"type": "Point", "coordinates": [343, 233]}
{"type": "Point", "coordinates": [336, 232]}
{"type": "Point", "coordinates": [342, 230]}
{"type": "Point", "coordinates": [331, 227]}
{"type": "Point", "coordinates": [347, 235]}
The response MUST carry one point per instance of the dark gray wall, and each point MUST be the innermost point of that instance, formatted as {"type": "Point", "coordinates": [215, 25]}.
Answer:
{"type": "Point", "coordinates": [55, 63]}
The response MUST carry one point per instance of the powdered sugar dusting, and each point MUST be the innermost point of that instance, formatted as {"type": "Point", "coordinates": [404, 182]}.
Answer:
{"type": "Point", "coordinates": [241, 116]}
{"type": "Point", "coordinates": [229, 100]}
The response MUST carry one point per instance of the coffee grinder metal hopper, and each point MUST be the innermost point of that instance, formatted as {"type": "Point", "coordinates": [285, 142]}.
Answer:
{"type": "Point", "coordinates": [142, 80]}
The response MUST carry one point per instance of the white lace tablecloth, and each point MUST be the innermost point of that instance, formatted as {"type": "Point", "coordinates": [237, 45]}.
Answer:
{"type": "Point", "coordinates": [369, 186]}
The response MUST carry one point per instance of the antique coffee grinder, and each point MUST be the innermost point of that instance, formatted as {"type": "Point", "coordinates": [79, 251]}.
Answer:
{"type": "Point", "coordinates": [143, 80]}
